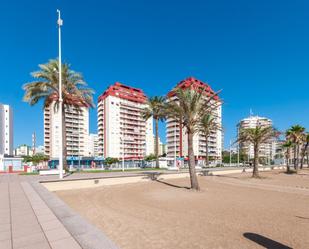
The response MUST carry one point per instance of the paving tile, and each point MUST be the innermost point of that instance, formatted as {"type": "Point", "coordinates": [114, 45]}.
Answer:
{"type": "Point", "coordinates": [43, 245]}
{"type": "Point", "coordinates": [5, 235]}
{"type": "Point", "coordinates": [68, 243]}
{"type": "Point", "coordinates": [5, 227]}
{"type": "Point", "coordinates": [5, 220]}
{"type": "Point", "coordinates": [46, 217]}
{"type": "Point", "coordinates": [5, 244]}
{"type": "Point", "coordinates": [28, 240]}
{"type": "Point", "coordinates": [21, 212]}
{"type": "Point", "coordinates": [19, 231]}
{"type": "Point", "coordinates": [52, 224]}
{"type": "Point", "coordinates": [24, 219]}
{"type": "Point", "coordinates": [57, 234]}
{"type": "Point", "coordinates": [44, 211]}
{"type": "Point", "coordinates": [5, 212]}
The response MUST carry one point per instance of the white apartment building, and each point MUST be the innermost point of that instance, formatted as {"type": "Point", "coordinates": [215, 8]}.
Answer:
{"type": "Point", "coordinates": [23, 150]}
{"type": "Point", "coordinates": [161, 146]}
{"type": "Point", "coordinates": [6, 130]}
{"type": "Point", "coordinates": [176, 137]}
{"type": "Point", "coordinates": [77, 131]}
{"type": "Point", "coordinates": [93, 149]}
{"type": "Point", "coordinates": [267, 150]}
{"type": "Point", "coordinates": [122, 131]}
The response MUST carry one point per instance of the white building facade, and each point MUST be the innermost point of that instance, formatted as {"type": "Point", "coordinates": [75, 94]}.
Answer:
{"type": "Point", "coordinates": [93, 149]}
{"type": "Point", "coordinates": [6, 130]}
{"type": "Point", "coordinates": [77, 131]}
{"type": "Point", "coordinates": [23, 150]}
{"type": "Point", "coordinates": [267, 150]}
{"type": "Point", "coordinates": [122, 132]}
{"type": "Point", "coordinates": [176, 137]}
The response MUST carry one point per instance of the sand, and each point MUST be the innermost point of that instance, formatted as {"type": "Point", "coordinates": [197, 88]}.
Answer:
{"type": "Point", "coordinates": [232, 211]}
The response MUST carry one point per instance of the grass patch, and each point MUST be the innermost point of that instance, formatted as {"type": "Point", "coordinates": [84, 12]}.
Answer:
{"type": "Point", "coordinates": [115, 170]}
{"type": "Point", "coordinates": [28, 173]}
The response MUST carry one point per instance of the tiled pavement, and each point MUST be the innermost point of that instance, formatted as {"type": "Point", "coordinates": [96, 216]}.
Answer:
{"type": "Point", "coordinates": [33, 218]}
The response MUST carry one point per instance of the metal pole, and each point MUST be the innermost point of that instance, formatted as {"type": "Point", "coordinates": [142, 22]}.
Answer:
{"type": "Point", "coordinates": [122, 154]}
{"type": "Point", "coordinates": [238, 147]}
{"type": "Point", "coordinates": [60, 22]}
{"type": "Point", "coordinates": [175, 148]}
{"type": "Point", "coordinates": [230, 153]}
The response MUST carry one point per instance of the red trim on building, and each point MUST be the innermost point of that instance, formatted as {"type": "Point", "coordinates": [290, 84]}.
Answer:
{"type": "Point", "coordinates": [124, 92]}
{"type": "Point", "coordinates": [195, 84]}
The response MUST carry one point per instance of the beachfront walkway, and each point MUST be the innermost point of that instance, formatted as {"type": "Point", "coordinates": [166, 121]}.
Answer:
{"type": "Point", "coordinates": [29, 221]}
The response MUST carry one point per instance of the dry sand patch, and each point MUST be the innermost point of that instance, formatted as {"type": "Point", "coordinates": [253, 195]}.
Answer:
{"type": "Point", "coordinates": [156, 215]}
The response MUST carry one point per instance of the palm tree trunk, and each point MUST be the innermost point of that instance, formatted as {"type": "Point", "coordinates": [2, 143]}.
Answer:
{"type": "Point", "coordinates": [157, 143]}
{"type": "Point", "coordinates": [297, 156]}
{"type": "Point", "coordinates": [64, 140]}
{"type": "Point", "coordinates": [256, 162]}
{"type": "Point", "coordinates": [294, 161]}
{"type": "Point", "coordinates": [303, 154]}
{"type": "Point", "coordinates": [287, 163]}
{"type": "Point", "coordinates": [193, 177]}
{"type": "Point", "coordinates": [207, 155]}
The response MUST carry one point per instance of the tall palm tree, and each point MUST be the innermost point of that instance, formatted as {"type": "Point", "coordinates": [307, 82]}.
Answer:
{"type": "Point", "coordinates": [155, 109]}
{"type": "Point", "coordinates": [305, 149]}
{"type": "Point", "coordinates": [46, 88]}
{"type": "Point", "coordinates": [287, 147]}
{"type": "Point", "coordinates": [190, 106]}
{"type": "Point", "coordinates": [208, 125]}
{"type": "Point", "coordinates": [256, 136]}
{"type": "Point", "coordinates": [295, 134]}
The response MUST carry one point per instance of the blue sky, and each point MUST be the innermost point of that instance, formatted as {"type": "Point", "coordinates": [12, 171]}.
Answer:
{"type": "Point", "coordinates": [256, 51]}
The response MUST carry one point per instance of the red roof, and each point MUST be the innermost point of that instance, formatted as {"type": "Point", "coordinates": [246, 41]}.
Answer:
{"type": "Point", "coordinates": [125, 92]}
{"type": "Point", "coordinates": [195, 84]}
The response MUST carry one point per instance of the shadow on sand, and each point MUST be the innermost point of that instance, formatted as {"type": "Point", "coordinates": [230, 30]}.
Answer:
{"type": "Point", "coordinates": [301, 217]}
{"type": "Point", "coordinates": [265, 242]}
{"type": "Point", "coordinates": [155, 175]}
{"type": "Point", "coordinates": [172, 185]}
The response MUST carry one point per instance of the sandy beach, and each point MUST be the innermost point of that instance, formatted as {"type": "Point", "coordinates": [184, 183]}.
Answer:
{"type": "Point", "coordinates": [231, 211]}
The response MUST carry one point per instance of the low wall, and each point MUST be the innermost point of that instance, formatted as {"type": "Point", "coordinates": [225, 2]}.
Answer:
{"type": "Point", "coordinates": [68, 184]}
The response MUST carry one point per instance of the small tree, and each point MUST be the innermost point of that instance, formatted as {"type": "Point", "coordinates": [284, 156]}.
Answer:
{"type": "Point", "coordinates": [256, 136]}
{"type": "Point", "coordinates": [150, 157]}
{"type": "Point", "coordinates": [111, 160]}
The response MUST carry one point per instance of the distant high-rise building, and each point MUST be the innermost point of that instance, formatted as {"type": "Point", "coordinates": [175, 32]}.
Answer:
{"type": "Point", "coordinates": [122, 131]}
{"type": "Point", "coordinates": [93, 149]}
{"type": "Point", "coordinates": [162, 147]}
{"type": "Point", "coordinates": [23, 150]}
{"type": "Point", "coordinates": [6, 130]}
{"type": "Point", "coordinates": [77, 131]}
{"type": "Point", "coordinates": [267, 149]}
{"type": "Point", "coordinates": [176, 137]}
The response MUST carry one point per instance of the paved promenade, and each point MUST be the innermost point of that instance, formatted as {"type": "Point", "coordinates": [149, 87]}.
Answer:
{"type": "Point", "coordinates": [33, 218]}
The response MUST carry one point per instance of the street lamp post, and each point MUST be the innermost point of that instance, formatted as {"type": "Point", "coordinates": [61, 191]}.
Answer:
{"type": "Point", "coordinates": [175, 147]}
{"type": "Point", "coordinates": [60, 22]}
{"type": "Point", "coordinates": [230, 153]}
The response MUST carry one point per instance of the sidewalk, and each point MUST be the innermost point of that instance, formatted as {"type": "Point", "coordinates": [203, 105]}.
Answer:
{"type": "Point", "coordinates": [28, 221]}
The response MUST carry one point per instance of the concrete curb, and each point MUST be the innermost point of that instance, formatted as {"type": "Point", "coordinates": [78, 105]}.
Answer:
{"type": "Point", "coordinates": [87, 235]}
